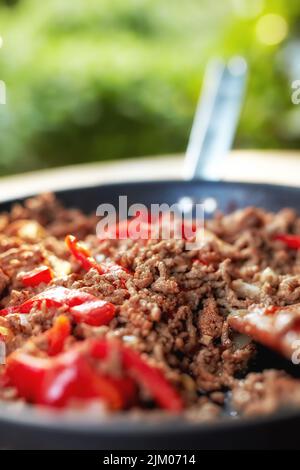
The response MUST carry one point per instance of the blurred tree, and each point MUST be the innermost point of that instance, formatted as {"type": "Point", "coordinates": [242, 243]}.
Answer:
{"type": "Point", "coordinates": [116, 78]}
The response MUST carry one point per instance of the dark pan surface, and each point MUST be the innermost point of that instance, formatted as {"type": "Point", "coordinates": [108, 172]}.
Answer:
{"type": "Point", "coordinates": [32, 429]}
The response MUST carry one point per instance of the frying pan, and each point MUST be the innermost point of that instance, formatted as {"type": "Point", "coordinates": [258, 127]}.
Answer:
{"type": "Point", "coordinates": [28, 428]}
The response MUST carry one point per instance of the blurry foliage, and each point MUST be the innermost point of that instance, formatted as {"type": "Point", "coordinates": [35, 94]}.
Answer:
{"type": "Point", "coordinates": [98, 79]}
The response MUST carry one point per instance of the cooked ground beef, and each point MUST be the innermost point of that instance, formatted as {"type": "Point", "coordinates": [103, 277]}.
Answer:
{"type": "Point", "coordinates": [265, 392]}
{"type": "Point", "coordinates": [171, 304]}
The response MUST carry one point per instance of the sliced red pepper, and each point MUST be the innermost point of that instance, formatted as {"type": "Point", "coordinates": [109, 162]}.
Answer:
{"type": "Point", "coordinates": [142, 222]}
{"type": "Point", "coordinates": [144, 226]}
{"type": "Point", "coordinates": [95, 313]}
{"type": "Point", "coordinates": [291, 241]}
{"type": "Point", "coordinates": [151, 378]}
{"type": "Point", "coordinates": [69, 376]}
{"type": "Point", "coordinates": [78, 380]}
{"type": "Point", "coordinates": [58, 334]}
{"type": "Point", "coordinates": [92, 385]}
{"type": "Point", "coordinates": [82, 254]}
{"type": "Point", "coordinates": [26, 373]}
{"type": "Point", "coordinates": [57, 381]}
{"type": "Point", "coordinates": [54, 297]}
{"type": "Point", "coordinates": [275, 327]}
{"type": "Point", "coordinates": [4, 380]}
{"type": "Point", "coordinates": [59, 384]}
{"type": "Point", "coordinates": [118, 392]}
{"type": "Point", "coordinates": [98, 311]}
{"type": "Point", "coordinates": [84, 257]}
{"type": "Point", "coordinates": [42, 274]}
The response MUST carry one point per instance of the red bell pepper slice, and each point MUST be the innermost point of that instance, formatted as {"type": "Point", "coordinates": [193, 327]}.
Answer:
{"type": "Point", "coordinates": [275, 327]}
{"type": "Point", "coordinates": [122, 230]}
{"type": "Point", "coordinates": [4, 380]}
{"type": "Point", "coordinates": [98, 313]}
{"type": "Point", "coordinates": [42, 274]}
{"type": "Point", "coordinates": [291, 241]}
{"type": "Point", "coordinates": [143, 373]}
{"type": "Point", "coordinates": [26, 373]}
{"type": "Point", "coordinates": [144, 226]}
{"type": "Point", "coordinates": [153, 380]}
{"type": "Point", "coordinates": [59, 384]}
{"type": "Point", "coordinates": [58, 334]}
{"type": "Point", "coordinates": [95, 313]}
{"type": "Point", "coordinates": [78, 380]}
{"type": "Point", "coordinates": [82, 254]}
{"type": "Point", "coordinates": [69, 376]}
{"type": "Point", "coordinates": [84, 257]}
{"type": "Point", "coordinates": [54, 297]}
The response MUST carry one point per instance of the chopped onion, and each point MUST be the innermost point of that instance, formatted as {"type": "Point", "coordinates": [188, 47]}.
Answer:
{"type": "Point", "coordinates": [245, 289]}
{"type": "Point", "coordinates": [268, 275]}
{"type": "Point", "coordinates": [24, 319]}
{"type": "Point", "coordinates": [224, 247]}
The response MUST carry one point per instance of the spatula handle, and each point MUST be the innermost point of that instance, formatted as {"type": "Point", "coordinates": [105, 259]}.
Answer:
{"type": "Point", "coordinates": [216, 119]}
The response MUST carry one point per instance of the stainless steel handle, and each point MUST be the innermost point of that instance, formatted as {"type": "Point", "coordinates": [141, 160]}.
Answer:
{"type": "Point", "coordinates": [216, 119]}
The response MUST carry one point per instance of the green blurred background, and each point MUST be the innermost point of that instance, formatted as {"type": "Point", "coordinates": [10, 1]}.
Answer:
{"type": "Point", "coordinates": [91, 80]}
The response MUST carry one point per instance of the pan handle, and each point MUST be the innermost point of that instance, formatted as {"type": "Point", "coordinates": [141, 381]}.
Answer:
{"type": "Point", "coordinates": [216, 119]}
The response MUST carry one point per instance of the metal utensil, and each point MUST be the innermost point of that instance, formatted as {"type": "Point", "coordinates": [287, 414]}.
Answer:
{"type": "Point", "coordinates": [216, 119]}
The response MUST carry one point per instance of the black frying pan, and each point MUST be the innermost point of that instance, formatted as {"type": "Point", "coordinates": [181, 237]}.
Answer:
{"type": "Point", "coordinates": [34, 429]}
{"type": "Point", "coordinates": [211, 136]}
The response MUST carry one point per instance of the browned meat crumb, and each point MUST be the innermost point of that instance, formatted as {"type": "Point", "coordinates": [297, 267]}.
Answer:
{"type": "Point", "coordinates": [210, 321]}
{"type": "Point", "coordinates": [265, 392]}
{"type": "Point", "coordinates": [4, 280]}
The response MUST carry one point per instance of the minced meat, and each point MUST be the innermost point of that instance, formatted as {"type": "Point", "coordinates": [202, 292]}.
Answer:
{"type": "Point", "coordinates": [171, 304]}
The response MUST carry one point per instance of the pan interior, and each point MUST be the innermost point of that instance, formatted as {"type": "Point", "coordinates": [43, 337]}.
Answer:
{"type": "Point", "coordinates": [227, 197]}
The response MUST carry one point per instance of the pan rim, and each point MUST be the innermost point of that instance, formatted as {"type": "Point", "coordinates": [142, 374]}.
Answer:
{"type": "Point", "coordinates": [125, 424]}
{"type": "Point", "coordinates": [167, 182]}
